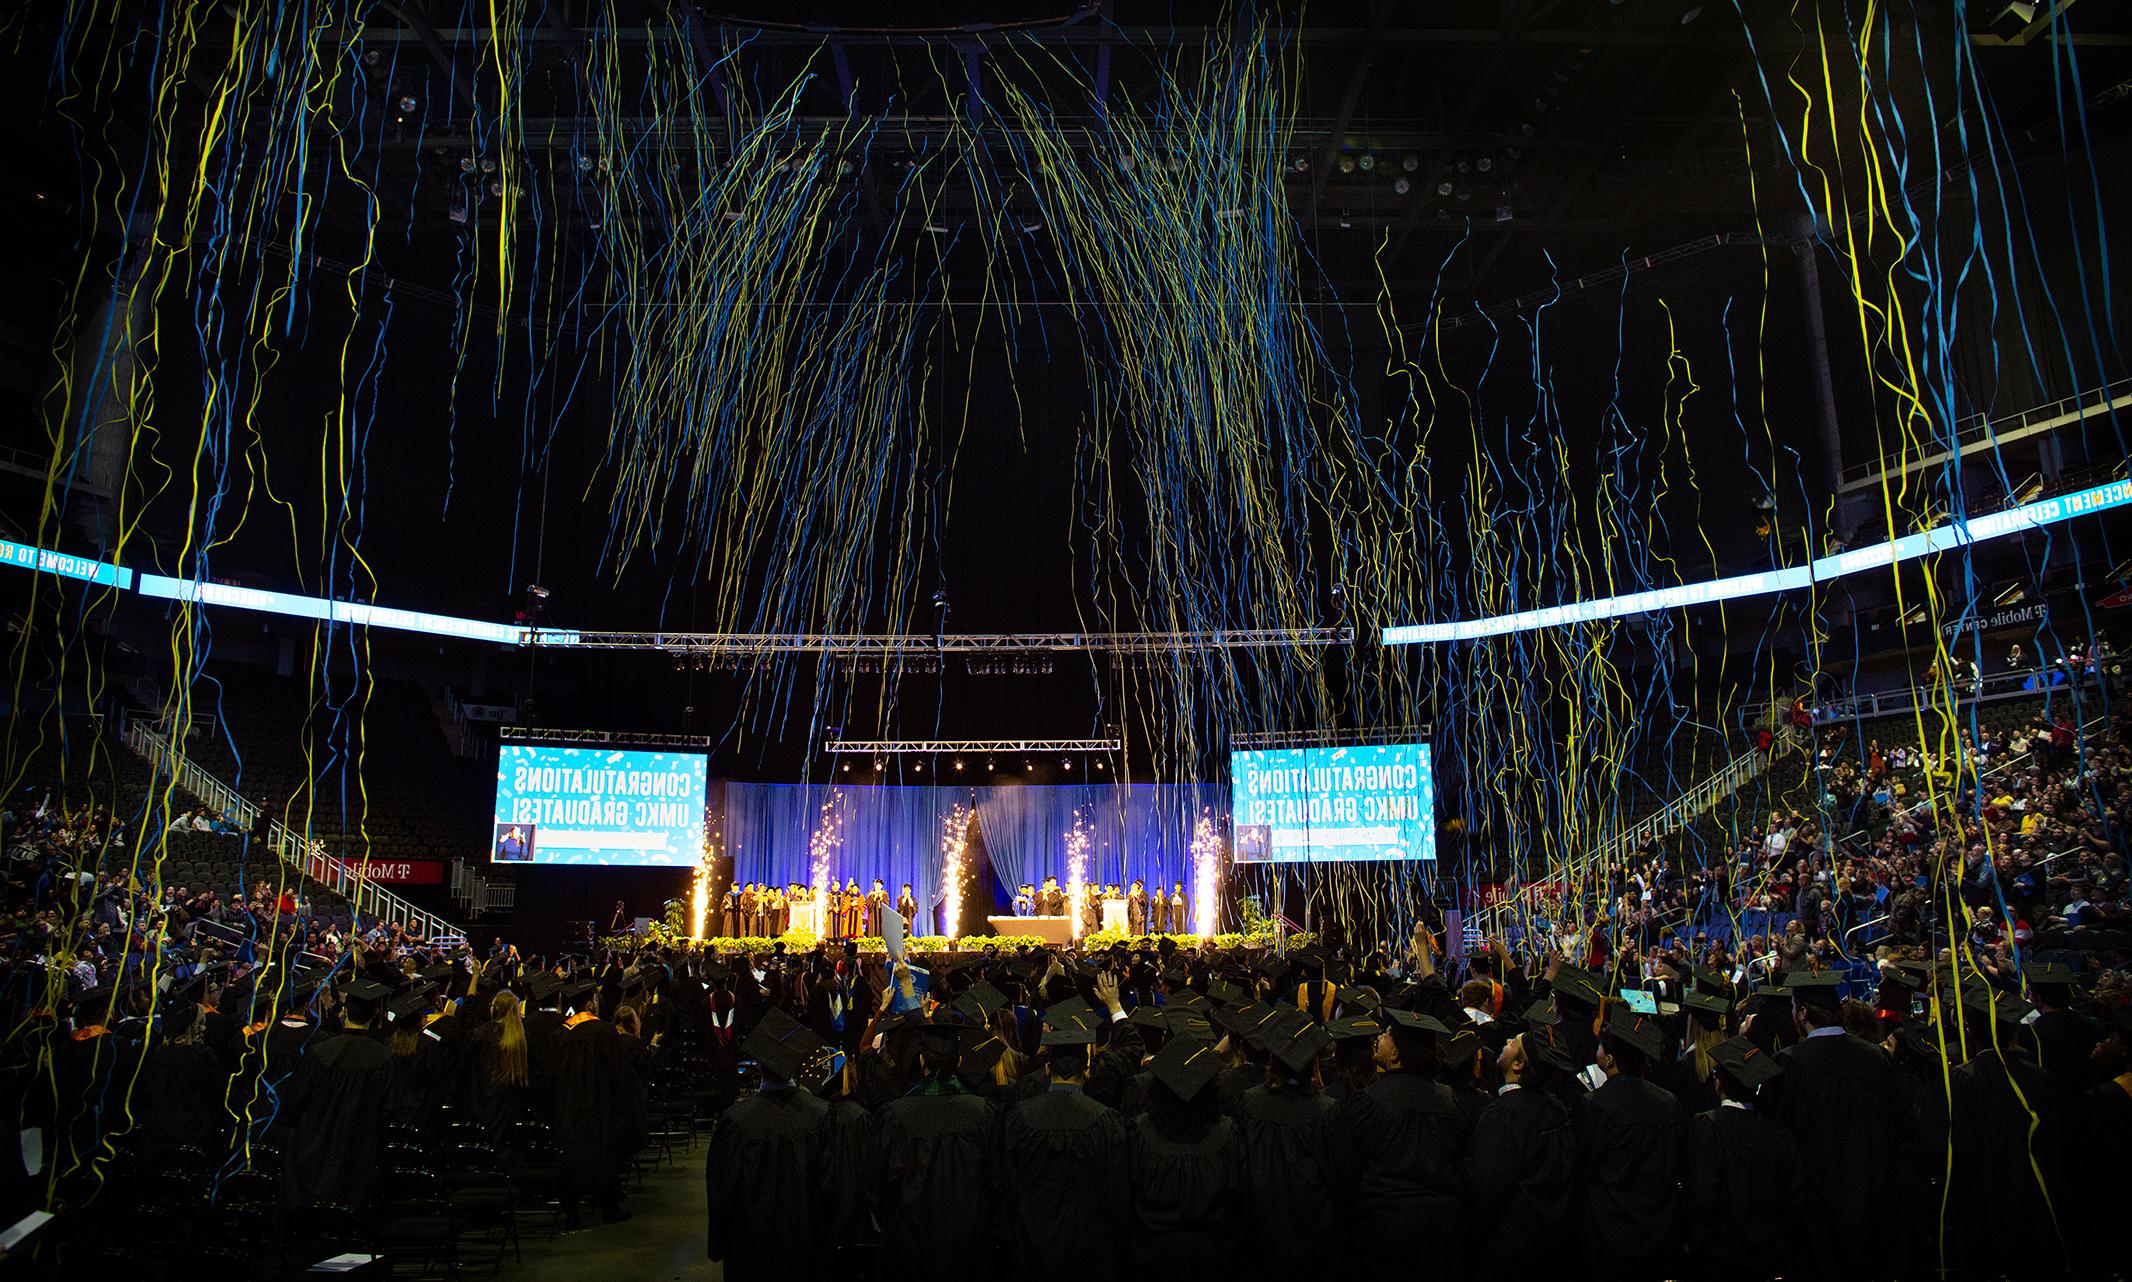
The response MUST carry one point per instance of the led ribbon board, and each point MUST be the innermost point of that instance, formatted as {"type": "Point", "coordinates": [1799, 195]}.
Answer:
{"type": "Point", "coordinates": [1946, 538]}
{"type": "Point", "coordinates": [296, 606]}
{"type": "Point", "coordinates": [46, 561]}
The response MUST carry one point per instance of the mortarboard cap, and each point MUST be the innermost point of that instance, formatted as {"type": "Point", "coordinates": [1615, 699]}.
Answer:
{"type": "Point", "coordinates": [1361, 998]}
{"type": "Point", "coordinates": [411, 1006]}
{"type": "Point", "coordinates": [1297, 1051]}
{"type": "Point", "coordinates": [1744, 1062]}
{"type": "Point", "coordinates": [1416, 1020]}
{"type": "Point", "coordinates": [1577, 984]}
{"type": "Point", "coordinates": [544, 986]}
{"type": "Point", "coordinates": [1817, 988]}
{"type": "Point", "coordinates": [1462, 1046]}
{"type": "Point", "coordinates": [1544, 1042]}
{"type": "Point", "coordinates": [2051, 973]}
{"type": "Point", "coordinates": [987, 997]}
{"type": "Point", "coordinates": [1641, 1032]}
{"type": "Point", "coordinates": [1070, 1035]}
{"type": "Point", "coordinates": [1073, 1011]}
{"type": "Point", "coordinates": [1353, 1028]}
{"type": "Point", "coordinates": [364, 990]}
{"type": "Point", "coordinates": [1182, 1023]}
{"type": "Point", "coordinates": [981, 1049]}
{"type": "Point", "coordinates": [1149, 1017]}
{"type": "Point", "coordinates": [1185, 1066]}
{"type": "Point", "coordinates": [1274, 967]}
{"type": "Point", "coordinates": [1709, 1008]}
{"type": "Point", "coordinates": [1541, 1013]}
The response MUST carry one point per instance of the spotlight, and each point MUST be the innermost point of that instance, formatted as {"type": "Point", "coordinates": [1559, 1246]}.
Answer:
{"type": "Point", "coordinates": [584, 164]}
{"type": "Point", "coordinates": [1444, 188]}
{"type": "Point", "coordinates": [1301, 164]}
{"type": "Point", "coordinates": [407, 103]}
{"type": "Point", "coordinates": [371, 57]}
{"type": "Point", "coordinates": [919, 767]}
{"type": "Point", "coordinates": [1347, 164]}
{"type": "Point", "coordinates": [1484, 164]}
{"type": "Point", "coordinates": [1368, 161]}
{"type": "Point", "coordinates": [496, 187]}
{"type": "Point", "coordinates": [878, 764]}
{"type": "Point", "coordinates": [466, 164]}
{"type": "Point", "coordinates": [958, 763]}
{"type": "Point", "coordinates": [847, 767]}
{"type": "Point", "coordinates": [1410, 162]}
{"type": "Point", "coordinates": [1099, 765]}
{"type": "Point", "coordinates": [1402, 186]}
{"type": "Point", "coordinates": [1065, 763]}
{"type": "Point", "coordinates": [1464, 193]}
{"type": "Point", "coordinates": [988, 765]}
{"type": "Point", "coordinates": [1028, 766]}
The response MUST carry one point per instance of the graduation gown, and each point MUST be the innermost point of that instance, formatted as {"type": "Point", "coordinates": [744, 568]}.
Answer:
{"type": "Point", "coordinates": [1840, 1100]}
{"type": "Point", "coordinates": [1136, 913]}
{"type": "Point", "coordinates": [936, 1183]}
{"type": "Point", "coordinates": [1187, 1199]}
{"type": "Point", "coordinates": [1287, 1158]}
{"type": "Point", "coordinates": [852, 1135]}
{"type": "Point", "coordinates": [597, 1117]}
{"type": "Point", "coordinates": [334, 1108]}
{"type": "Point", "coordinates": [492, 1103]}
{"type": "Point", "coordinates": [1741, 1192]}
{"type": "Point", "coordinates": [1064, 1158]}
{"type": "Point", "coordinates": [1051, 903]}
{"type": "Point", "coordinates": [766, 1181]}
{"type": "Point", "coordinates": [1399, 1157]}
{"type": "Point", "coordinates": [876, 900]}
{"type": "Point", "coordinates": [1993, 1184]}
{"type": "Point", "coordinates": [730, 918]}
{"type": "Point", "coordinates": [907, 908]}
{"type": "Point", "coordinates": [1180, 919]}
{"type": "Point", "coordinates": [1158, 914]}
{"type": "Point", "coordinates": [1521, 1177]}
{"type": "Point", "coordinates": [178, 1097]}
{"type": "Point", "coordinates": [1628, 1165]}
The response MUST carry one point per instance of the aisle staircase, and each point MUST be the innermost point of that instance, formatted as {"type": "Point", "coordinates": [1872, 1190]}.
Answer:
{"type": "Point", "coordinates": [309, 858]}
{"type": "Point", "coordinates": [1588, 869]}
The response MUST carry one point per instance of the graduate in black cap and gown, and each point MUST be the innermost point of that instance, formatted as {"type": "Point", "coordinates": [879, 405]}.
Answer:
{"type": "Point", "coordinates": [1521, 1161]}
{"type": "Point", "coordinates": [1064, 1159]}
{"type": "Point", "coordinates": [335, 1104]}
{"type": "Point", "coordinates": [1402, 1146]}
{"type": "Point", "coordinates": [595, 1095]}
{"type": "Point", "coordinates": [770, 1169]}
{"type": "Point", "coordinates": [1841, 1101]}
{"type": "Point", "coordinates": [936, 1181]}
{"type": "Point", "coordinates": [1629, 1155]}
{"type": "Point", "coordinates": [1184, 1163]}
{"type": "Point", "coordinates": [1743, 1175]}
{"type": "Point", "coordinates": [1287, 1127]}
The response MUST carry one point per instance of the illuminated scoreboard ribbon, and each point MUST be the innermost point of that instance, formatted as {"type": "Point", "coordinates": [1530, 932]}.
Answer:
{"type": "Point", "coordinates": [1945, 538]}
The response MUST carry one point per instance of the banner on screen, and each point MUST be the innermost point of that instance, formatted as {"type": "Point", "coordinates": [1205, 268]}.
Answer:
{"type": "Point", "coordinates": [1324, 805]}
{"type": "Point", "coordinates": [593, 806]}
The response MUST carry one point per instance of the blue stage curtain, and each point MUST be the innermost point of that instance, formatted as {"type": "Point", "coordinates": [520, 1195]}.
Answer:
{"type": "Point", "coordinates": [1136, 830]}
{"type": "Point", "coordinates": [892, 833]}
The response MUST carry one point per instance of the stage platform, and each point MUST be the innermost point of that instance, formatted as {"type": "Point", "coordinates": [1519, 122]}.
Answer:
{"type": "Point", "coordinates": [1052, 930]}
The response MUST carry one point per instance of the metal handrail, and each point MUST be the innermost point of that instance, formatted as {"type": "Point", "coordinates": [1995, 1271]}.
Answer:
{"type": "Point", "coordinates": [309, 858]}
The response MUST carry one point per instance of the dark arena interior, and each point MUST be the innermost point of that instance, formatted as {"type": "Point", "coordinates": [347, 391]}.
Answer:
{"type": "Point", "coordinates": [1066, 639]}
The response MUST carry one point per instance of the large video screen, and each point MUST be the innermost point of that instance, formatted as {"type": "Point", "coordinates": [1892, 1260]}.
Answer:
{"type": "Point", "coordinates": [1330, 805]}
{"type": "Point", "coordinates": [598, 806]}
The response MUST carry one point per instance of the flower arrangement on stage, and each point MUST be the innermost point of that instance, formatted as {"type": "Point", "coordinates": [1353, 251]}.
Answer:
{"type": "Point", "coordinates": [1206, 876]}
{"type": "Point", "coordinates": [954, 846]}
{"type": "Point", "coordinates": [1076, 870]}
{"type": "Point", "coordinates": [798, 941]}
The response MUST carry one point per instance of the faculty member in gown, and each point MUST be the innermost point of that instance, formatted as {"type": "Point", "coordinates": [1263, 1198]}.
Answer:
{"type": "Point", "coordinates": [876, 901]}
{"type": "Point", "coordinates": [1136, 910]}
{"type": "Point", "coordinates": [1180, 920]}
{"type": "Point", "coordinates": [907, 908]}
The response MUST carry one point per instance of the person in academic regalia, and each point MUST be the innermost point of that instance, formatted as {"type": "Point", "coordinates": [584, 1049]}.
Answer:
{"type": "Point", "coordinates": [1185, 1169]}
{"type": "Point", "coordinates": [595, 1095]}
{"type": "Point", "coordinates": [749, 908]}
{"type": "Point", "coordinates": [333, 1107]}
{"type": "Point", "coordinates": [1158, 911]}
{"type": "Point", "coordinates": [1629, 1155]}
{"type": "Point", "coordinates": [730, 917]}
{"type": "Point", "coordinates": [876, 900]}
{"type": "Point", "coordinates": [854, 910]}
{"type": "Point", "coordinates": [1063, 1155]}
{"type": "Point", "coordinates": [421, 1067]}
{"type": "Point", "coordinates": [1287, 1128]}
{"type": "Point", "coordinates": [1051, 900]}
{"type": "Point", "coordinates": [1743, 1174]}
{"type": "Point", "coordinates": [935, 1170]}
{"type": "Point", "coordinates": [1521, 1164]}
{"type": "Point", "coordinates": [495, 1080]}
{"type": "Point", "coordinates": [769, 1174]}
{"type": "Point", "coordinates": [2008, 1125]}
{"type": "Point", "coordinates": [907, 908]}
{"type": "Point", "coordinates": [1844, 1107]}
{"type": "Point", "coordinates": [774, 912]}
{"type": "Point", "coordinates": [1136, 909]}
{"type": "Point", "coordinates": [1091, 909]}
{"type": "Point", "coordinates": [1400, 1146]}
{"type": "Point", "coordinates": [178, 1096]}
{"type": "Point", "coordinates": [1025, 900]}
{"type": "Point", "coordinates": [1180, 920]}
